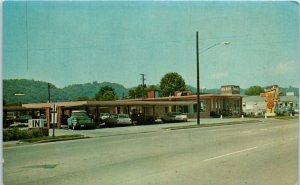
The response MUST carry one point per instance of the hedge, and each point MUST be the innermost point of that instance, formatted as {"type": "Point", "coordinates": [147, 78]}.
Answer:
{"type": "Point", "coordinates": [13, 134]}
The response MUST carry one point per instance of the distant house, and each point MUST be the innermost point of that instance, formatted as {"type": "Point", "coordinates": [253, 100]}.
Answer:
{"type": "Point", "coordinates": [254, 105]}
{"type": "Point", "coordinates": [288, 103]}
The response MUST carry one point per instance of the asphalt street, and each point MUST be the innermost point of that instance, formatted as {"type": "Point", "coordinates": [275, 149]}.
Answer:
{"type": "Point", "coordinates": [256, 153]}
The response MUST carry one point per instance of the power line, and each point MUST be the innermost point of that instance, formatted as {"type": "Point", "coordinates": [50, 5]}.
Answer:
{"type": "Point", "coordinates": [143, 84]}
{"type": "Point", "coordinates": [26, 36]}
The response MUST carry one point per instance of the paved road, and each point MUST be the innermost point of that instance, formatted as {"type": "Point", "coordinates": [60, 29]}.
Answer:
{"type": "Point", "coordinates": [256, 153]}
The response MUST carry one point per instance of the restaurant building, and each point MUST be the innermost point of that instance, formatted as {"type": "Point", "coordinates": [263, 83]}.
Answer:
{"type": "Point", "coordinates": [227, 103]}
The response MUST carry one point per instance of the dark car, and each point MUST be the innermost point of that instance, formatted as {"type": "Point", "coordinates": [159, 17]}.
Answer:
{"type": "Point", "coordinates": [103, 116]}
{"type": "Point", "coordinates": [142, 119]}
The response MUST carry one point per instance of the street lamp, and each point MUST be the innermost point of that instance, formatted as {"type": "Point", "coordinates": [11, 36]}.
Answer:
{"type": "Point", "coordinates": [214, 45]}
{"type": "Point", "coordinates": [17, 95]}
{"type": "Point", "coordinates": [198, 83]}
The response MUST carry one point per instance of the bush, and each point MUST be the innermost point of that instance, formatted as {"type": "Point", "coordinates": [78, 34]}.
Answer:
{"type": "Point", "coordinates": [214, 114]}
{"type": "Point", "coordinates": [13, 134]}
{"type": "Point", "coordinates": [24, 134]}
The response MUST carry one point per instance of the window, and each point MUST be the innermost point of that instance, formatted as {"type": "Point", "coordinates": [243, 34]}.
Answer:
{"type": "Point", "coordinates": [202, 106]}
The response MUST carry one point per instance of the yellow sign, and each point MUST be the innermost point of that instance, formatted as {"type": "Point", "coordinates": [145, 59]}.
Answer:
{"type": "Point", "coordinates": [271, 98]}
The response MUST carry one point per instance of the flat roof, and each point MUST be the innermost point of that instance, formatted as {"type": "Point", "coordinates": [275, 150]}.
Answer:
{"type": "Point", "coordinates": [159, 101]}
{"type": "Point", "coordinates": [108, 103]}
{"type": "Point", "coordinates": [194, 97]}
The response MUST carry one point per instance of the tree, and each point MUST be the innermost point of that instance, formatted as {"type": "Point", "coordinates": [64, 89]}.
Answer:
{"type": "Point", "coordinates": [170, 83]}
{"type": "Point", "coordinates": [254, 90]}
{"type": "Point", "coordinates": [137, 92]}
{"type": "Point", "coordinates": [106, 93]}
{"type": "Point", "coordinates": [82, 98]}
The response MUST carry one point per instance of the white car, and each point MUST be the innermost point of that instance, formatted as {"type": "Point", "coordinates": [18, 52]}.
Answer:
{"type": "Point", "coordinates": [118, 119]}
{"type": "Point", "coordinates": [174, 117]}
{"type": "Point", "coordinates": [123, 119]}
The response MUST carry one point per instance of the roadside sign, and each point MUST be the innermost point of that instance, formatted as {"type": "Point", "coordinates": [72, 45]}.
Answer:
{"type": "Point", "coordinates": [53, 117]}
{"type": "Point", "coordinates": [36, 123]}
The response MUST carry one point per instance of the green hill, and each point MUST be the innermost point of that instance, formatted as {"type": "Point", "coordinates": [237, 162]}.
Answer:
{"type": "Point", "coordinates": [37, 91]}
{"type": "Point", "coordinates": [90, 89]}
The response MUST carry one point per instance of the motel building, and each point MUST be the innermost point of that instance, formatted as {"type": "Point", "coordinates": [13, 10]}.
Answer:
{"type": "Point", "coordinates": [228, 104]}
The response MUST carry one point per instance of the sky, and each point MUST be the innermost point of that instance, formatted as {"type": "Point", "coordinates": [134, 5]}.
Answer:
{"type": "Point", "coordinates": [75, 42]}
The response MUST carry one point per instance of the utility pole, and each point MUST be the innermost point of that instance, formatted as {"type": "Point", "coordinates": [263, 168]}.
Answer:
{"type": "Point", "coordinates": [48, 92]}
{"type": "Point", "coordinates": [53, 112]}
{"type": "Point", "coordinates": [198, 77]}
{"type": "Point", "coordinates": [198, 83]}
{"type": "Point", "coordinates": [143, 84]}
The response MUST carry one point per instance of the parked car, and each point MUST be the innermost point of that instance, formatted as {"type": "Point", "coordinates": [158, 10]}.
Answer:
{"type": "Point", "coordinates": [142, 119]}
{"type": "Point", "coordinates": [174, 117]}
{"type": "Point", "coordinates": [118, 119]}
{"type": "Point", "coordinates": [23, 118]}
{"type": "Point", "coordinates": [80, 119]}
{"type": "Point", "coordinates": [103, 117]}
{"type": "Point", "coordinates": [64, 121]}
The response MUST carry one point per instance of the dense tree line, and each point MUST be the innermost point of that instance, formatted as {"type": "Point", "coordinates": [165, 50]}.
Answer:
{"type": "Point", "coordinates": [37, 91]}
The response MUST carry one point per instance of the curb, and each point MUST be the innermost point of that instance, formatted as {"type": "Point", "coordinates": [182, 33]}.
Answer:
{"type": "Point", "coordinates": [211, 125]}
{"type": "Point", "coordinates": [54, 140]}
{"type": "Point", "coordinates": [20, 143]}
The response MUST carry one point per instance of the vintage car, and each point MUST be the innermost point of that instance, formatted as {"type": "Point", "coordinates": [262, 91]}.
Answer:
{"type": "Point", "coordinates": [103, 117]}
{"type": "Point", "coordinates": [142, 119]}
{"type": "Point", "coordinates": [80, 119]}
{"type": "Point", "coordinates": [174, 117]}
{"type": "Point", "coordinates": [118, 119]}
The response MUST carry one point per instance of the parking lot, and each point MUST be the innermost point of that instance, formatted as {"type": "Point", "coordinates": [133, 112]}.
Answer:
{"type": "Point", "coordinates": [131, 129]}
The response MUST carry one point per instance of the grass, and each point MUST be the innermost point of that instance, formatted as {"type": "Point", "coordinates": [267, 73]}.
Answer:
{"type": "Point", "coordinates": [55, 138]}
{"type": "Point", "coordinates": [286, 117]}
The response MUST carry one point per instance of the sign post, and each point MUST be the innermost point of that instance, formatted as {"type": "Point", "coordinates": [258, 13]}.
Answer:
{"type": "Point", "coordinates": [54, 118]}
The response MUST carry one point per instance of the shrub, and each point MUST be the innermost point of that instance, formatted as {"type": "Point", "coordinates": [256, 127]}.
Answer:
{"type": "Point", "coordinates": [25, 134]}
{"type": "Point", "coordinates": [214, 114]}
{"type": "Point", "coordinates": [13, 134]}
{"type": "Point", "coordinates": [7, 134]}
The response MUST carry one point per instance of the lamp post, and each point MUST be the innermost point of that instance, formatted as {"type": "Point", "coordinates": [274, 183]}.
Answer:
{"type": "Point", "coordinates": [198, 82]}
{"type": "Point", "coordinates": [18, 95]}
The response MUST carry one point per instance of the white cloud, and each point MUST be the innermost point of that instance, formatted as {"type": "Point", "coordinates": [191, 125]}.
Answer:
{"type": "Point", "coordinates": [283, 68]}
{"type": "Point", "coordinates": [219, 75]}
